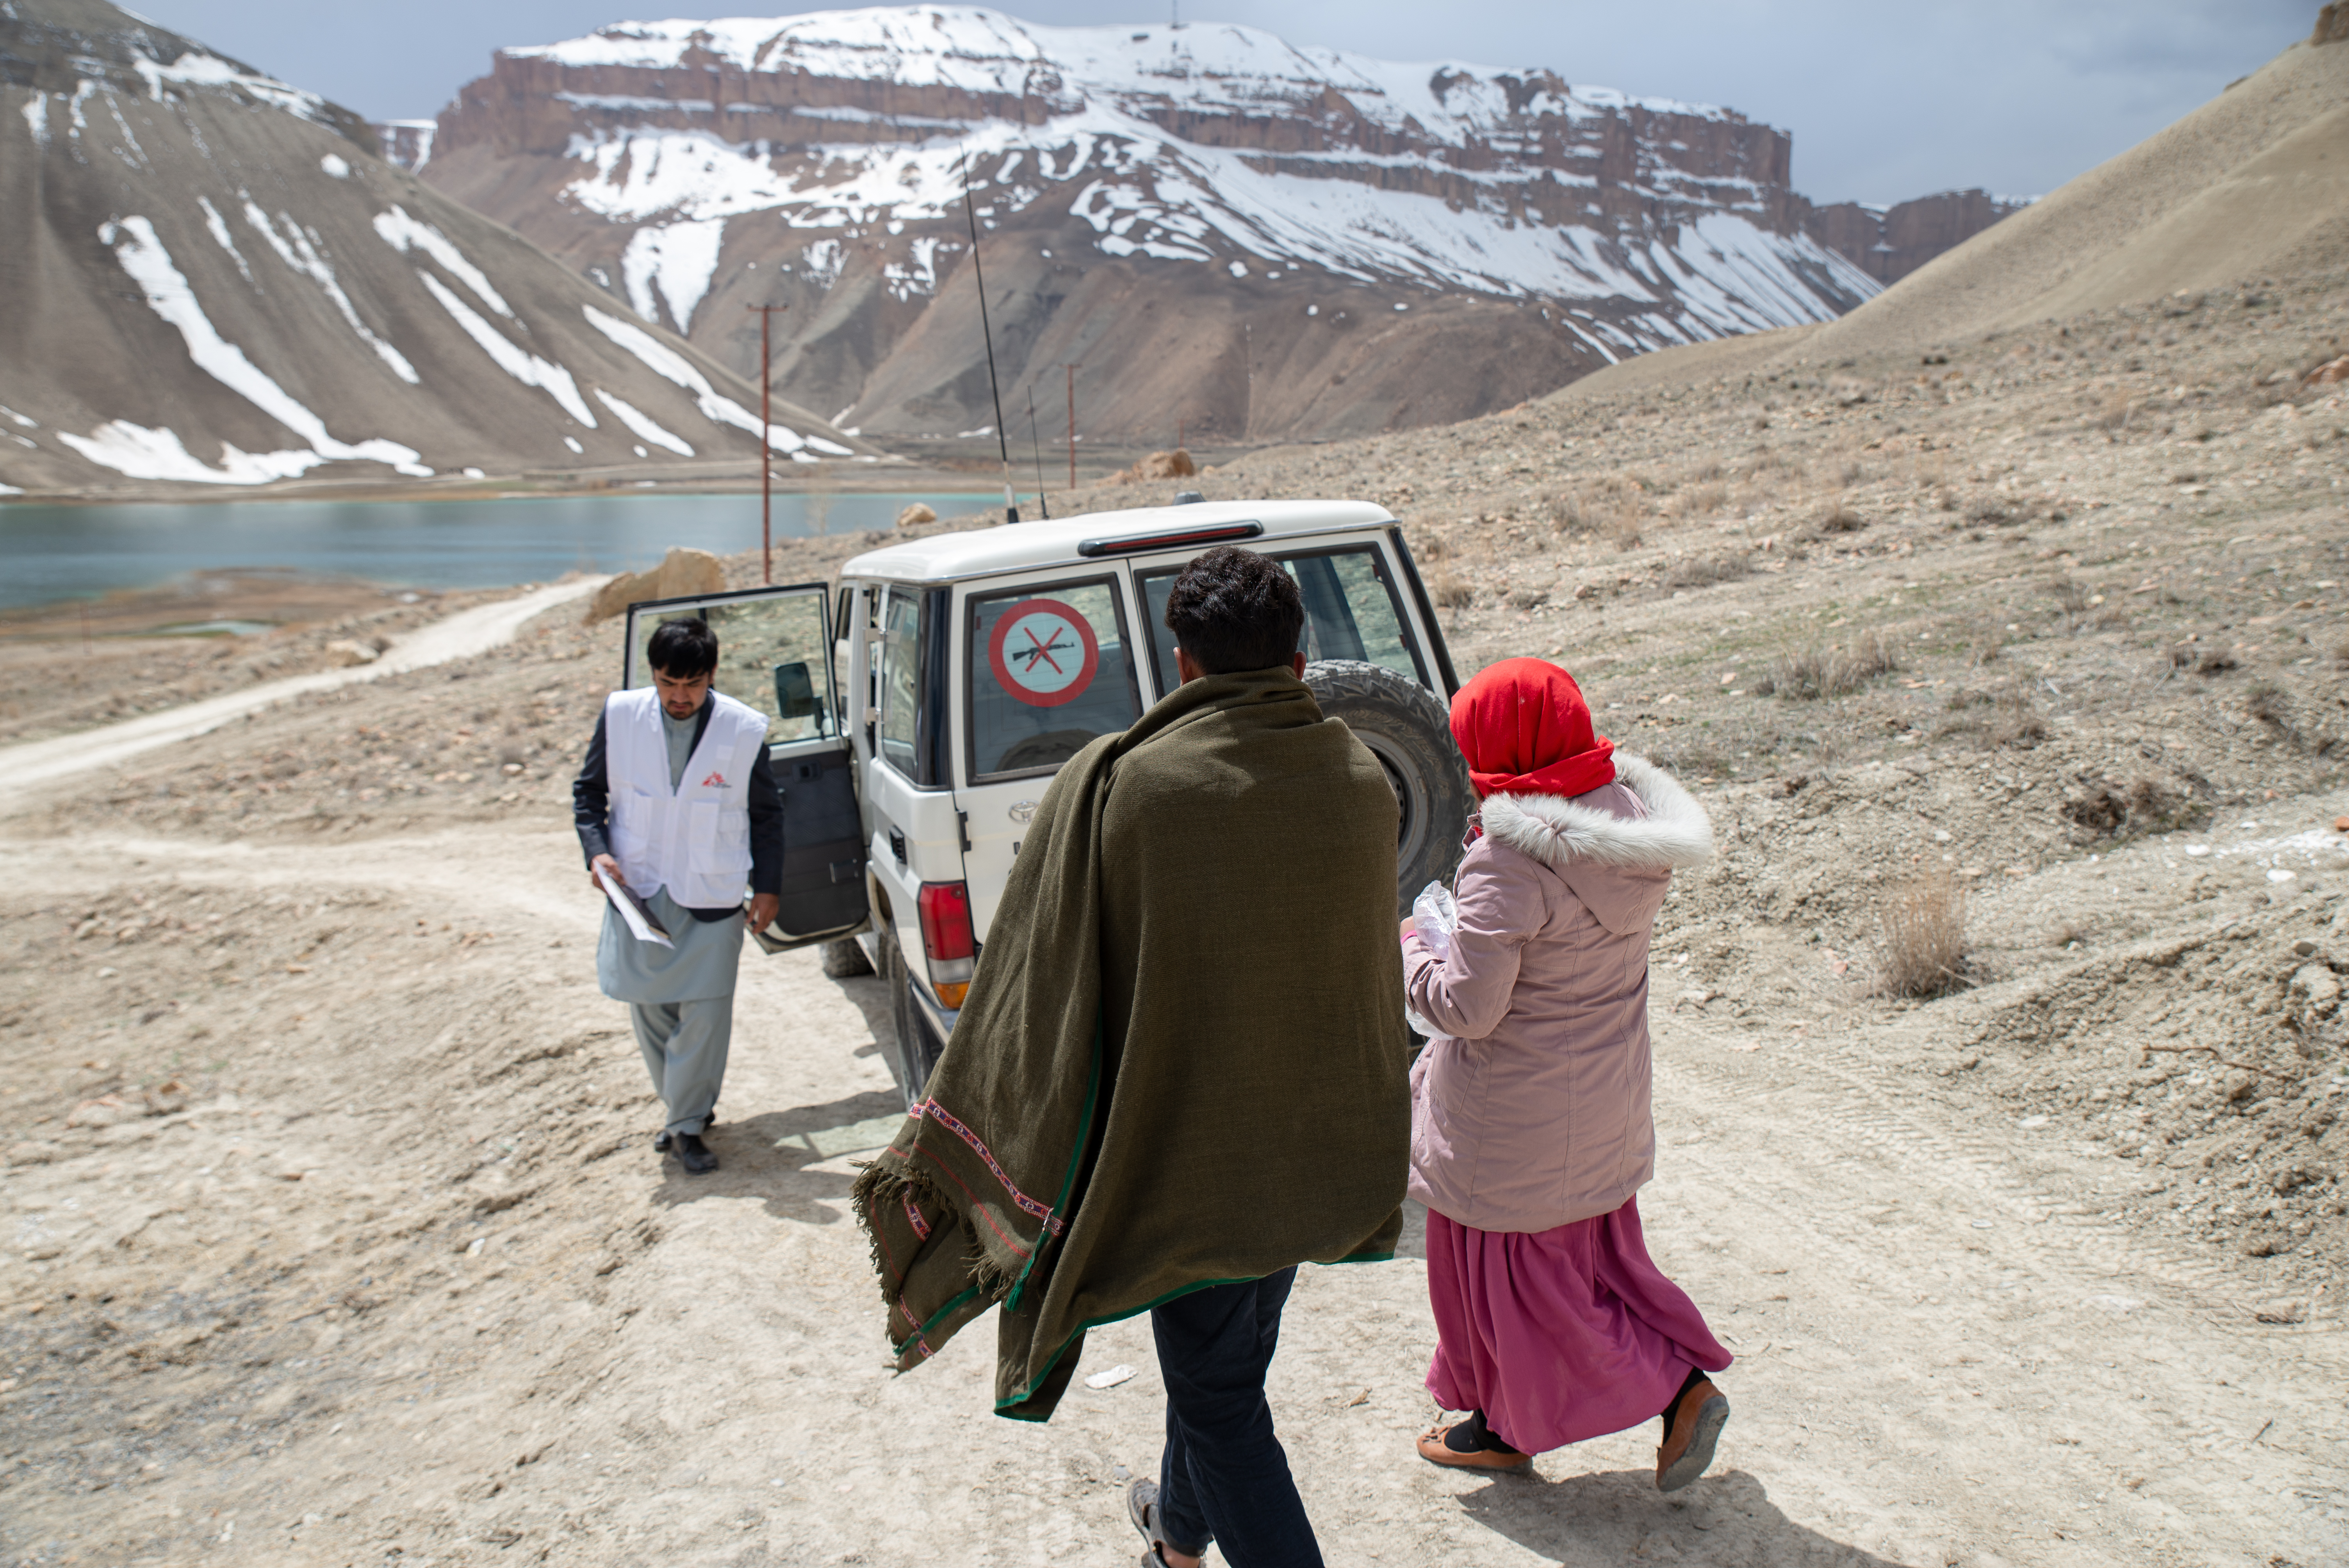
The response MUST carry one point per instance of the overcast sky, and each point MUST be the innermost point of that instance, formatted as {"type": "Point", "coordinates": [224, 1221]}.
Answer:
{"type": "Point", "coordinates": [1887, 99]}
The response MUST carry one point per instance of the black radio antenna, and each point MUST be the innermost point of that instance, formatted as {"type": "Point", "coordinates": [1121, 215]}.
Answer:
{"type": "Point", "coordinates": [1036, 445]}
{"type": "Point", "coordinates": [1002, 442]}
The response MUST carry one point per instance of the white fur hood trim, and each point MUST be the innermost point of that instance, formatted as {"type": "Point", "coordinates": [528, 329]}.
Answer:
{"type": "Point", "coordinates": [1555, 830]}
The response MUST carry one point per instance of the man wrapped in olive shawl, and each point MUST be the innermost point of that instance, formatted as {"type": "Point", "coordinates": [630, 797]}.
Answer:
{"type": "Point", "coordinates": [1181, 1062]}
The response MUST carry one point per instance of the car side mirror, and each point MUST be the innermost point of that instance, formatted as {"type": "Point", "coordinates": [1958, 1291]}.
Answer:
{"type": "Point", "coordinates": [795, 692]}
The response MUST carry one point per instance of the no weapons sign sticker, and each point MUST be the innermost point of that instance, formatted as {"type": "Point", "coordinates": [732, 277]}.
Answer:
{"type": "Point", "coordinates": [1043, 653]}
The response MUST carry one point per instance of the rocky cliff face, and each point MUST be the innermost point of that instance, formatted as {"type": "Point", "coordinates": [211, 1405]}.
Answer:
{"type": "Point", "coordinates": [1254, 239]}
{"type": "Point", "coordinates": [1888, 244]}
{"type": "Point", "coordinates": [211, 279]}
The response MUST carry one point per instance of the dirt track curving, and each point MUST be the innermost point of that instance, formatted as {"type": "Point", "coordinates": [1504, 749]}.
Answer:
{"type": "Point", "coordinates": [393, 1265]}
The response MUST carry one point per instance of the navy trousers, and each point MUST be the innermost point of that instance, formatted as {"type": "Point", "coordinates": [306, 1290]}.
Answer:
{"type": "Point", "coordinates": [1224, 1477]}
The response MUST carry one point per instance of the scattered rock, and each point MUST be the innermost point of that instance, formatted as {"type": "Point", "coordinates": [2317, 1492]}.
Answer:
{"type": "Point", "coordinates": [344, 652]}
{"type": "Point", "coordinates": [1174, 465]}
{"type": "Point", "coordinates": [680, 573]}
{"type": "Point", "coordinates": [915, 515]}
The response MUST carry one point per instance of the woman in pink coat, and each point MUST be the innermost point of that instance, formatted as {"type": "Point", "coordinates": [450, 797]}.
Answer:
{"type": "Point", "coordinates": [1531, 1124]}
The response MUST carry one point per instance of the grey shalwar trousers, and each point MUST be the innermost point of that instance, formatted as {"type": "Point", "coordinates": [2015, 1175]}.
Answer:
{"type": "Point", "coordinates": [685, 1045]}
{"type": "Point", "coordinates": [681, 1001]}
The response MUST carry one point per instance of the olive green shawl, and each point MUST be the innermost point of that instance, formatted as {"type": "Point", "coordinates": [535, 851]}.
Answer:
{"type": "Point", "coordinates": [1181, 1062]}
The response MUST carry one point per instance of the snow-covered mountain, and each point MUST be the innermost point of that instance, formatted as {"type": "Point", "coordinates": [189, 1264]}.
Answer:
{"type": "Point", "coordinates": [211, 279]}
{"type": "Point", "coordinates": [1251, 237]}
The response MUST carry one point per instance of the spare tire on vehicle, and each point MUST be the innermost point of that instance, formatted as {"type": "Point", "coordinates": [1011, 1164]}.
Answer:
{"type": "Point", "coordinates": [1409, 730]}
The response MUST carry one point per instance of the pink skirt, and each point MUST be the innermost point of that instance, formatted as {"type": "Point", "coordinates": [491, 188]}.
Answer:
{"type": "Point", "coordinates": [1559, 1334]}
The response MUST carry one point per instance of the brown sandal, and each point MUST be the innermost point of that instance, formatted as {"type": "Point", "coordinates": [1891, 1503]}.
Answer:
{"type": "Point", "coordinates": [1436, 1451]}
{"type": "Point", "coordinates": [1694, 1426]}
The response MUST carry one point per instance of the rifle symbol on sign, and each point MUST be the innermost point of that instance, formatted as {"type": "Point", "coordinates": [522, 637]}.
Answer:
{"type": "Point", "coordinates": [1040, 650]}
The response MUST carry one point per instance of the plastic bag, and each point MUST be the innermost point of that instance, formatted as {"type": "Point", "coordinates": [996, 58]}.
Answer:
{"type": "Point", "coordinates": [1432, 915]}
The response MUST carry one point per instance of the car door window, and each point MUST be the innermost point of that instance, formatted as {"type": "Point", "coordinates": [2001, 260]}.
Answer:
{"type": "Point", "coordinates": [897, 677]}
{"type": "Point", "coordinates": [774, 651]}
{"type": "Point", "coordinates": [1350, 612]}
{"type": "Point", "coordinates": [1049, 670]}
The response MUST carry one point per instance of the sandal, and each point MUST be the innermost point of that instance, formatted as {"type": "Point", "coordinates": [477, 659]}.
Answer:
{"type": "Point", "coordinates": [1692, 1424]}
{"type": "Point", "coordinates": [1142, 1507]}
{"type": "Point", "coordinates": [1436, 1447]}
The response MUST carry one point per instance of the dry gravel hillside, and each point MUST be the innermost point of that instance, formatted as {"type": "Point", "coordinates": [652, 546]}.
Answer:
{"type": "Point", "coordinates": [2060, 615]}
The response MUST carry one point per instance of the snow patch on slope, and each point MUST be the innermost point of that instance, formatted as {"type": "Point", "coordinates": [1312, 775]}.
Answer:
{"type": "Point", "coordinates": [516, 361]}
{"type": "Point", "coordinates": [643, 424]}
{"type": "Point", "coordinates": [197, 70]}
{"type": "Point", "coordinates": [405, 234]}
{"type": "Point", "coordinates": [678, 259]}
{"type": "Point", "coordinates": [671, 366]}
{"type": "Point", "coordinates": [142, 453]}
{"type": "Point", "coordinates": [300, 252]}
{"type": "Point", "coordinates": [222, 238]}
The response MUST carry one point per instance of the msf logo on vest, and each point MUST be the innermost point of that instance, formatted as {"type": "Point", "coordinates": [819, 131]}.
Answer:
{"type": "Point", "coordinates": [715, 781]}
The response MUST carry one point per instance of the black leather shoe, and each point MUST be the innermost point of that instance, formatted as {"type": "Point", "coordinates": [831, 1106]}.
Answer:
{"type": "Point", "coordinates": [692, 1154]}
{"type": "Point", "coordinates": [661, 1141]}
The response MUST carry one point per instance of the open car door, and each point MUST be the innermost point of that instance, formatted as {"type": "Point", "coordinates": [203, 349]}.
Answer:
{"type": "Point", "coordinates": [774, 654]}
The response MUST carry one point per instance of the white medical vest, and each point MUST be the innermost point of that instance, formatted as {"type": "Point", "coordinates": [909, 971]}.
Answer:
{"type": "Point", "coordinates": [694, 840]}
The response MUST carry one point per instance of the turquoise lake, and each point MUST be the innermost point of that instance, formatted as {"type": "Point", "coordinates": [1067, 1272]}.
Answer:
{"type": "Point", "coordinates": [49, 553]}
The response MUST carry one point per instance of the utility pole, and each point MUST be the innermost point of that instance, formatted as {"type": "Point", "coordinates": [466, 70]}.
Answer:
{"type": "Point", "coordinates": [766, 450]}
{"type": "Point", "coordinates": [1071, 366]}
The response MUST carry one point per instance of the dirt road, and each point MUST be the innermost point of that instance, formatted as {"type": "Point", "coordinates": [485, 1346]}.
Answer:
{"type": "Point", "coordinates": [417, 1289]}
{"type": "Point", "coordinates": [461, 636]}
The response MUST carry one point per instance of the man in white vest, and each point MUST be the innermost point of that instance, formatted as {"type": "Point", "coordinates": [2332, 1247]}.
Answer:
{"type": "Point", "coordinates": [676, 803]}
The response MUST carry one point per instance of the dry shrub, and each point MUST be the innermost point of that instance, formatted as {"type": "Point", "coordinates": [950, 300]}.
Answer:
{"type": "Point", "coordinates": [2202, 661]}
{"type": "Point", "coordinates": [1702, 500]}
{"type": "Point", "coordinates": [2015, 723]}
{"type": "Point", "coordinates": [1432, 547]}
{"type": "Point", "coordinates": [1872, 655]}
{"type": "Point", "coordinates": [1990, 514]}
{"type": "Point", "coordinates": [1920, 936]}
{"type": "Point", "coordinates": [1451, 593]}
{"type": "Point", "coordinates": [1840, 519]}
{"type": "Point", "coordinates": [1608, 507]}
{"type": "Point", "coordinates": [2145, 805]}
{"type": "Point", "coordinates": [1809, 675]}
{"type": "Point", "coordinates": [2070, 593]}
{"type": "Point", "coordinates": [1704, 570]}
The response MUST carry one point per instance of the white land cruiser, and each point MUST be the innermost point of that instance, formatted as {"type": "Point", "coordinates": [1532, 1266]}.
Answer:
{"type": "Point", "coordinates": [920, 708]}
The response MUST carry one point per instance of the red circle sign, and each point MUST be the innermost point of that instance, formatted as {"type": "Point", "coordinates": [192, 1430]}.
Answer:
{"type": "Point", "coordinates": [1043, 653]}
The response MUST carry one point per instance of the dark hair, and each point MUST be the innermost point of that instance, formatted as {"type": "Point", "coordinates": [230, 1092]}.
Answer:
{"type": "Point", "coordinates": [683, 648]}
{"type": "Point", "coordinates": [1233, 609]}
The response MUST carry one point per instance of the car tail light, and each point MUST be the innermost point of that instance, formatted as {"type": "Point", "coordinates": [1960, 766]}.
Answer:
{"type": "Point", "coordinates": [948, 943]}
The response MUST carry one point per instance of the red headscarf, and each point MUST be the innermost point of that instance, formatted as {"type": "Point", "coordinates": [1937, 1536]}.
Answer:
{"type": "Point", "coordinates": [1524, 730]}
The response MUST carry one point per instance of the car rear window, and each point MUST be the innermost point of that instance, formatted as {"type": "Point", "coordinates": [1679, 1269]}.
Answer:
{"type": "Point", "coordinates": [1350, 613]}
{"type": "Point", "coordinates": [1050, 669]}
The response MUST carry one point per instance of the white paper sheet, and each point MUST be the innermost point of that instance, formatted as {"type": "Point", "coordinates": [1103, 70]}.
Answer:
{"type": "Point", "coordinates": [632, 909]}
